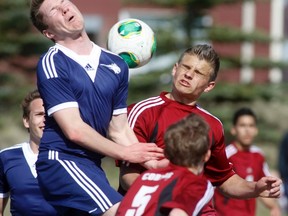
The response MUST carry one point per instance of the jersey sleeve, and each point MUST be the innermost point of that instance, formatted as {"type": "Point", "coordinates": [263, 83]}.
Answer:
{"type": "Point", "coordinates": [217, 168]}
{"type": "Point", "coordinates": [264, 169]}
{"type": "Point", "coordinates": [138, 122]}
{"type": "Point", "coordinates": [120, 98]}
{"type": "Point", "coordinates": [192, 198]}
{"type": "Point", "coordinates": [53, 82]}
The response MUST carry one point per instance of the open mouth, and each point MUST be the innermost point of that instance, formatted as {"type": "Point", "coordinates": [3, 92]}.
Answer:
{"type": "Point", "coordinates": [184, 83]}
{"type": "Point", "coordinates": [71, 18]}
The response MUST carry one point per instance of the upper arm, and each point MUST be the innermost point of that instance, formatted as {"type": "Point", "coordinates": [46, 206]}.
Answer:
{"type": "Point", "coordinates": [119, 130]}
{"type": "Point", "coordinates": [118, 123]}
{"type": "Point", "coordinates": [70, 121]}
{"type": "Point", "coordinates": [217, 168]}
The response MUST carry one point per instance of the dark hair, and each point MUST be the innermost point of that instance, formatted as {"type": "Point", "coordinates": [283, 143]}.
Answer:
{"type": "Point", "coordinates": [27, 101]}
{"type": "Point", "coordinates": [35, 16]}
{"type": "Point", "coordinates": [206, 52]}
{"type": "Point", "coordinates": [187, 141]}
{"type": "Point", "coordinates": [243, 112]}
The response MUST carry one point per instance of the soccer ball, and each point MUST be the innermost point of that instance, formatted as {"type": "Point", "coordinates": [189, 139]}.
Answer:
{"type": "Point", "coordinates": [133, 40]}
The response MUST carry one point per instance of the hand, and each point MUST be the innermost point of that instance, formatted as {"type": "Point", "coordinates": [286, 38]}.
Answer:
{"type": "Point", "coordinates": [269, 186]}
{"type": "Point", "coordinates": [154, 164]}
{"type": "Point", "coordinates": [142, 152]}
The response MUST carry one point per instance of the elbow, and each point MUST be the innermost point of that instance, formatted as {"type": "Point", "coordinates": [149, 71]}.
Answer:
{"type": "Point", "coordinates": [74, 135]}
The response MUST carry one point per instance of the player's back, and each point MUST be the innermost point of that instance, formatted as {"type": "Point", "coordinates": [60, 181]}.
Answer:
{"type": "Point", "coordinates": [158, 191]}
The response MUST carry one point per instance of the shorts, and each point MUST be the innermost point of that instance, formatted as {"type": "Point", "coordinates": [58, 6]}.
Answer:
{"type": "Point", "coordinates": [74, 183]}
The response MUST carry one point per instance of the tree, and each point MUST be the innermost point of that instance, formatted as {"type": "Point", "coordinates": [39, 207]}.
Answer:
{"type": "Point", "coordinates": [16, 35]}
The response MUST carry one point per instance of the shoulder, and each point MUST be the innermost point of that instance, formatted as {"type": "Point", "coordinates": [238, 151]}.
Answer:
{"type": "Point", "coordinates": [149, 104]}
{"type": "Point", "coordinates": [231, 150]}
{"type": "Point", "coordinates": [210, 118]}
{"type": "Point", "coordinates": [11, 152]}
{"type": "Point", "coordinates": [14, 147]}
{"type": "Point", "coordinates": [52, 59]}
{"type": "Point", "coordinates": [256, 150]}
{"type": "Point", "coordinates": [49, 55]}
{"type": "Point", "coordinates": [215, 124]}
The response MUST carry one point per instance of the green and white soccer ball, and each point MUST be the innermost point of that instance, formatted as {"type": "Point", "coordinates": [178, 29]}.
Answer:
{"type": "Point", "coordinates": [133, 40]}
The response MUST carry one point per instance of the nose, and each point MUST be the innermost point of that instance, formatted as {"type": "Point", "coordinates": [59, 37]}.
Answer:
{"type": "Point", "coordinates": [189, 74]}
{"type": "Point", "coordinates": [65, 9]}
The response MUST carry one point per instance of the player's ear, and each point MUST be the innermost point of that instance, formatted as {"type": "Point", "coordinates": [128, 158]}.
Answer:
{"type": "Point", "coordinates": [210, 86]}
{"type": "Point", "coordinates": [207, 155]}
{"type": "Point", "coordinates": [233, 131]}
{"type": "Point", "coordinates": [174, 68]}
{"type": "Point", "coordinates": [26, 122]}
{"type": "Point", "coordinates": [48, 34]}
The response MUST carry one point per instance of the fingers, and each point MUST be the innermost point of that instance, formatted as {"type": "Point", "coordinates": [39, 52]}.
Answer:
{"type": "Point", "coordinates": [152, 147]}
{"type": "Point", "coordinates": [142, 152]}
{"type": "Point", "coordinates": [272, 186]}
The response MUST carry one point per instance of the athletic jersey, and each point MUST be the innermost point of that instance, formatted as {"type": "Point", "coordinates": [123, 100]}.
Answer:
{"type": "Point", "coordinates": [18, 179]}
{"type": "Point", "coordinates": [96, 84]}
{"type": "Point", "coordinates": [151, 117]}
{"type": "Point", "coordinates": [157, 192]}
{"type": "Point", "coordinates": [249, 165]}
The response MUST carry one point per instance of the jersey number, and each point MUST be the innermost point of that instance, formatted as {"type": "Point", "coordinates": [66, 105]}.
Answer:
{"type": "Point", "coordinates": [141, 200]}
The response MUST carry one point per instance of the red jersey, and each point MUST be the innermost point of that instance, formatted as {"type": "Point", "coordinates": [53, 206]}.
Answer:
{"type": "Point", "coordinates": [249, 165]}
{"type": "Point", "coordinates": [151, 117]}
{"type": "Point", "coordinates": [157, 192]}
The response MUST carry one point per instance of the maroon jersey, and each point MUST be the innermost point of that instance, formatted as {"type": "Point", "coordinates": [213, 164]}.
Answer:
{"type": "Point", "coordinates": [249, 165]}
{"type": "Point", "coordinates": [157, 192]}
{"type": "Point", "coordinates": [151, 117]}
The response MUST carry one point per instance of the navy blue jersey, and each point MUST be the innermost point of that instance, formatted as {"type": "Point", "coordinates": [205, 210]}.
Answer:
{"type": "Point", "coordinates": [18, 178]}
{"type": "Point", "coordinates": [97, 84]}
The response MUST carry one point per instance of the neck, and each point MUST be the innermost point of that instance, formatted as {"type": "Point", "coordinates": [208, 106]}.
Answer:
{"type": "Point", "coordinates": [81, 45]}
{"type": "Point", "coordinates": [181, 98]}
{"type": "Point", "coordinates": [34, 146]}
{"type": "Point", "coordinates": [242, 147]}
{"type": "Point", "coordinates": [196, 170]}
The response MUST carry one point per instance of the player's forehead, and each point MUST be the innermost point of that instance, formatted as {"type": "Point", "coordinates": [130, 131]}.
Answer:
{"type": "Point", "coordinates": [193, 60]}
{"type": "Point", "coordinates": [36, 105]}
{"type": "Point", "coordinates": [246, 119]}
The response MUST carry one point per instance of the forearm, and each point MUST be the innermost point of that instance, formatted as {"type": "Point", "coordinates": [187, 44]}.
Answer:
{"type": "Point", "coordinates": [84, 135]}
{"type": "Point", "coordinates": [124, 135]}
{"type": "Point", "coordinates": [128, 176]}
{"type": "Point", "coordinates": [80, 133]}
{"type": "Point", "coordinates": [236, 187]}
{"type": "Point", "coordinates": [272, 205]}
{"type": "Point", "coordinates": [90, 139]}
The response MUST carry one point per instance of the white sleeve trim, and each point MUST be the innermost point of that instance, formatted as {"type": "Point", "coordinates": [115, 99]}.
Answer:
{"type": "Point", "coordinates": [4, 195]}
{"type": "Point", "coordinates": [62, 106]}
{"type": "Point", "coordinates": [120, 111]}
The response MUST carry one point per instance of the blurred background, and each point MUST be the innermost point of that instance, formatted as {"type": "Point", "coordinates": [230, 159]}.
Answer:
{"type": "Point", "coordinates": [249, 35]}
